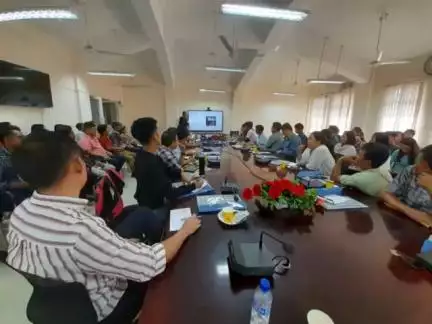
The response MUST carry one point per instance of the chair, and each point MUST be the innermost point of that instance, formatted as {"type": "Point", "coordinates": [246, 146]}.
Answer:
{"type": "Point", "coordinates": [54, 302]}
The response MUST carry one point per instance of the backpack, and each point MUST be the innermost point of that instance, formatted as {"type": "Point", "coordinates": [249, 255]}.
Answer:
{"type": "Point", "coordinates": [109, 190]}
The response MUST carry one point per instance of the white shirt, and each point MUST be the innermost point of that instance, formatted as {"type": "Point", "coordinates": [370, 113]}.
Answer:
{"type": "Point", "coordinates": [345, 150]}
{"type": "Point", "coordinates": [79, 135]}
{"type": "Point", "coordinates": [318, 159]}
{"type": "Point", "coordinates": [56, 238]}
{"type": "Point", "coordinates": [252, 136]}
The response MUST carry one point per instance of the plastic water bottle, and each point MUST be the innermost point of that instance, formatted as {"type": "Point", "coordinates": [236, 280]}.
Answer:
{"type": "Point", "coordinates": [262, 303]}
{"type": "Point", "coordinates": [427, 245]}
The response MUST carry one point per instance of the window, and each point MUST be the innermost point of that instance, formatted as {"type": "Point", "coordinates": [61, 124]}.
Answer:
{"type": "Point", "coordinates": [332, 109]}
{"type": "Point", "coordinates": [400, 107]}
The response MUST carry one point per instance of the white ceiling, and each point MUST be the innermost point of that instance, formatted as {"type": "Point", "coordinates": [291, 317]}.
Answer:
{"type": "Point", "coordinates": [190, 31]}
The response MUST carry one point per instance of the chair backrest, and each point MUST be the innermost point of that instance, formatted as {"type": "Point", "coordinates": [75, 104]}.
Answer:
{"type": "Point", "coordinates": [54, 301]}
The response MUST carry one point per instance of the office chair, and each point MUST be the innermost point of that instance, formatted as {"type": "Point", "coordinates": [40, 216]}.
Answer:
{"type": "Point", "coordinates": [54, 302]}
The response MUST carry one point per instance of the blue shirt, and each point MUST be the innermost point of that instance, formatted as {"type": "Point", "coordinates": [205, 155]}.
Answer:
{"type": "Point", "coordinates": [290, 145]}
{"type": "Point", "coordinates": [261, 140]}
{"type": "Point", "coordinates": [303, 139]}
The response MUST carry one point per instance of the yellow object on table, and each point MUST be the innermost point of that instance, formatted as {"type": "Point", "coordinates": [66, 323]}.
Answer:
{"type": "Point", "coordinates": [329, 184]}
{"type": "Point", "coordinates": [228, 215]}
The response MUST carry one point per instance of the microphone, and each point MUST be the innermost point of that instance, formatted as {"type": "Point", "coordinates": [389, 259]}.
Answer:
{"type": "Point", "coordinates": [289, 248]}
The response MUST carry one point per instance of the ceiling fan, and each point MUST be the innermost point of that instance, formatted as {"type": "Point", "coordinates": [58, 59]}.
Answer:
{"type": "Point", "coordinates": [380, 53]}
{"type": "Point", "coordinates": [88, 47]}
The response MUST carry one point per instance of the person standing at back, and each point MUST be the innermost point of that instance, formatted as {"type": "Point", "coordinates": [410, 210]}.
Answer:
{"type": "Point", "coordinates": [274, 142]}
{"type": "Point", "coordinates": [291, 143]}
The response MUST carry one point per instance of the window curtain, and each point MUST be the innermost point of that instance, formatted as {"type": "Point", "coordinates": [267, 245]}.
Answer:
{"type": "Point", "coordinates": [400, 107]}
{"type": "Point", "coordinates": [332, 109]}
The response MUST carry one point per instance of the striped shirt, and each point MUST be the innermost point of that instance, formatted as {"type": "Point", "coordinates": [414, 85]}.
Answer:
{"type": "Point", "coordinates": [56, 238]}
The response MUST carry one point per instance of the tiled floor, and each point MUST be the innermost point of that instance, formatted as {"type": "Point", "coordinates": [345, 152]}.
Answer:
{"type": "Point", "coordinates": [15, 290]}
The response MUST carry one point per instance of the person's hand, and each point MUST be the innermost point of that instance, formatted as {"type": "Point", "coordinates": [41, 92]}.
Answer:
{"type": "Point", "coordinates": [420, 217]}
{"type": "Point", "coordinates": [198, 183]}
{"type": "Point", "coordinates": [191, 225]}
{"type": "Point", "coordinates": [425, 180]}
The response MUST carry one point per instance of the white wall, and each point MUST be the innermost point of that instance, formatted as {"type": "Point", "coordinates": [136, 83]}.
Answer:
{"type": "Point", "coordinates": [259, 105]}
{"type": "Point", "coordinates": [143, 102]}
{"type": "Point", "coordinates": [181, 99]}
{"type": "Point", "coordinates": [24, 44]}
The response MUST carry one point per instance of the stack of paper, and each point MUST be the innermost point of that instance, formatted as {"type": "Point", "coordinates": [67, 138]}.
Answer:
{"type": "Point", "coordinates": [178, 217]}
{"type": "Point", "coordinates": [334, 202]}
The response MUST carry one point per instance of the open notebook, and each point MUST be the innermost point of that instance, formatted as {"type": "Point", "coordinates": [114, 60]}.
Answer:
{"type": "Point", "coordinates": [335, 202]}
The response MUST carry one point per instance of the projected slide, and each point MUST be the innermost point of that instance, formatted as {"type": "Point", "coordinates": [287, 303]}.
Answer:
{"type": "Point", "coordinates": [205, 121]}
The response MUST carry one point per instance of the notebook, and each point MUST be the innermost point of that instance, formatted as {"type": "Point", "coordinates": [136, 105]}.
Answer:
{"type": "Point", "coordinates": [335, 202]}
{"type": "Point", "coordinates": [178, 217]}
{"type": "Point", "coordinates": [215, 203]}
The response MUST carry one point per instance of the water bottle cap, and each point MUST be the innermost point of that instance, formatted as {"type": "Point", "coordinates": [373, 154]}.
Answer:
{"type": "Point", "coordinates": [264, 285]}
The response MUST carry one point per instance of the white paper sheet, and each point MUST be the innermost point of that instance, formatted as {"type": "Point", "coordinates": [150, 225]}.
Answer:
{"type": "Point", "coordinates": [178, 217]}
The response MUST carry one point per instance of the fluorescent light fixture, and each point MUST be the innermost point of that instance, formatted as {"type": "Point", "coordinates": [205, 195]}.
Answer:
{"type": "Point", "coordinates": [29, 14]}
{"type": "Point", "coordinates": [113, 74]}
{"type": "Point", "coordinates": [212, 91]}
{"type": "Point", "coordinates": [11, 78]}
{"type": "Point", "coordinates": [323, 81]}
{"type": "Point", "coordinates": [287, 94]}
{"type": "Point", "coordinates": [263, 12]}
{"type": "Point", "coordinates": [393, 62]}
{"type": "Point", "coordinates": [225, 69]}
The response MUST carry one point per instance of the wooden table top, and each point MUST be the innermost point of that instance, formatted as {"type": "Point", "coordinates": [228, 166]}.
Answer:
{"type": "Point", "coordinates": [341, 265]}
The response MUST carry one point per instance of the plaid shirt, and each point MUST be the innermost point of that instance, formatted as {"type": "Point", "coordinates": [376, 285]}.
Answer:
{"type": "Point", "coordinates": [169, 158]}
{"type": "Point", "coordinates": [406, 188]}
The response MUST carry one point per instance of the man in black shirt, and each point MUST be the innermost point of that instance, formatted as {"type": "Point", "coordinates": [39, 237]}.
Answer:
{"type": "Point", "coordinates": [153, 183]}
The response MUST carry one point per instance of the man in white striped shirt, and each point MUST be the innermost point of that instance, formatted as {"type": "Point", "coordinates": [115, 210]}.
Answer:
{"type": "Point", "coordinates": [53, 236]}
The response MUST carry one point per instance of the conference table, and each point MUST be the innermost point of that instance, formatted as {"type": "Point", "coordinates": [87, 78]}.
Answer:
{"type": "Point", "coordinates": [341, 265]}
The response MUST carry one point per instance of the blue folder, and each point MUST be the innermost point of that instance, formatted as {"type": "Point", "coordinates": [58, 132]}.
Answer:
{"type": "Point", "coordinates": [215, 203]}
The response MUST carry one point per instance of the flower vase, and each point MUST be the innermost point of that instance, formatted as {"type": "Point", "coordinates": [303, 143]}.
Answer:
{"type": "Point", "coordinates": [293, 216]}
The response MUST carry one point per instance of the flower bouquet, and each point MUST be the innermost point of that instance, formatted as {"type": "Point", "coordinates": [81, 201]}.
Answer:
{"type": "Point", "coordinates": [285, 197]}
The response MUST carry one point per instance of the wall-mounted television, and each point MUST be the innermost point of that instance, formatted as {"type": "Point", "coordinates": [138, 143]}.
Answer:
{"type": "Point", "coordinates": [205, 120]}
{"type": "Point", "coordinates": [24, 87]}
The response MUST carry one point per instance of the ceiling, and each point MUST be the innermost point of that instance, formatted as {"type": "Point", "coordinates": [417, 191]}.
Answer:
{"type": "Point", "coordinates": [186, 35]}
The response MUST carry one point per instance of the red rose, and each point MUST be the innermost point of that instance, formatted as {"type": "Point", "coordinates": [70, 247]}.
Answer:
{"type": "Point", "coordinates": [247, 194]}
{"type": "Point", "coordinates": [257, 190]}
{"type": "Point", "coordinates": [275, 192]}
{"type": "Point", "coordinates": [269, 183]}
{"type": "Point", "coordinates": [299, 190]}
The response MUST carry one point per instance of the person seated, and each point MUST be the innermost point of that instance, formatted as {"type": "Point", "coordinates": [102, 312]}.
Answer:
{"type": "Point", "coordinates": [346, 147]}
{"type": "Point", "coordinates": [317, 155]}
{"type": "Point", "coordinates": [37, 128]}
{"type": "Point", "coordinates": [261, 138]}
{"type": "Point", "coordinates": [10, 182]}
{"type": "Point", "coordinates": [371, 179]}
{"type": "Point", "coordinates": [380, 137]}
{"type": "Point", "coordinates": [91, 145]}
{"type": "Point", "coordinates": [108, 145]}
{"type": "Point", "coordinates": [64, 130]}
{"type": "Point", "coordinates": [167, 153]}
{"type": "Point", "coordinates": [409, 133]}
{"type": "Point", "coordinates": [79, 134]}
{"type": "Point", "coordinates": [405, 194]}
{"type": "Point", "coordinates": [53, 235]}
{"type": "Point", "coordinates": [394, 140]}
{"type": "Point", "coordinates": [335, 133]}
{"type": "Point", "coordinates": [405, 156]}
{"type": "Point", "coordinates": [299, 129]}
{"type": "Point", "coordinates": [290, 145]}
{"type": "Point", "coordinates": [329, 140]}
{"type": "Point", "coordinates": [275, 141]}
{"type": "Point", "coordinates": [250, 135]}
{"type": "Point", "coordinates": [120, 138]}
{"type": "Point", "coordinates": [153, 183]}
{"type": "Point", "coordinates": [360, 138]}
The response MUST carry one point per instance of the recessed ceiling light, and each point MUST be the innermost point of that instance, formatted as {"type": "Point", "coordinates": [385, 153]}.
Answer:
{"type": "Point", "coordinates": [29, 14]}
{"type": "Point", "coordinates": [212, 91]}
{"type": "Point", "coordinates": [323, 81]}
{"type": "Point", "coordinates": [114, 74]}
{"type": "Point", "coordinates": [225, 69]}
{"type": "Point", "coordinates": [287, 94]}
{"type": "Point", "coordinates": [263, 12]}
{"type": "Point", "coordinates": [11, 78]}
